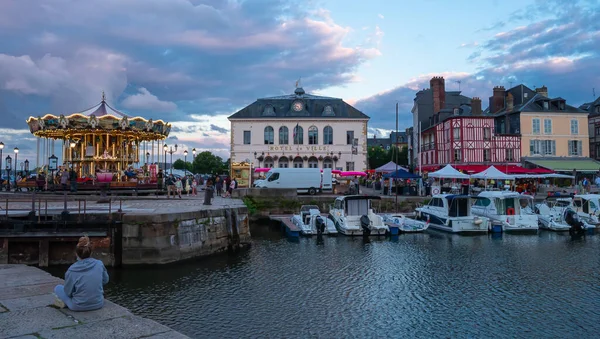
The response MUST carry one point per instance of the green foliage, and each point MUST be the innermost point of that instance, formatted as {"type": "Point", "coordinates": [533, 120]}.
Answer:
{"type": "Point", "coordinates": [378, 156]}
{"type": "Point", "coordinates": [180, 165]}
{"type": "Point", "coordinates": [208, 163]}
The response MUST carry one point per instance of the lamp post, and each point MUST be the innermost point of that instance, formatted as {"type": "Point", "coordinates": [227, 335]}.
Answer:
{"type": "Point", "coordinates": [72, 145]}
{"type": "Point", "coordinates": [16, 149]}
{"type": "Point", "coordinates": [8, 168]}
{"type": "Point", "coordinates": [26, 167]}
{"type": "Point", "coordinates": [185, 153]}
{"type": "Point", "coordinates": [165, 148]}
{"type": "Point", "coordinates": [1, 181]}
{"type": "Point", "coordinates": [169, 150]}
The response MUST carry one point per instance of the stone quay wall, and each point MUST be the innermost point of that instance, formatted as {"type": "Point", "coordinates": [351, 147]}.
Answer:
{"type": "Point", "coordinates": [170, 237]}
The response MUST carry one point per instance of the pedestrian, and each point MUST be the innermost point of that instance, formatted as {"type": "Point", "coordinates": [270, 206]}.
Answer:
{"type": "Point", "coordinates": [188, 185]}
{"type": "Point", "coordinates": [230, 188]}
{"type": "Point", "coordinates": [83, 289]}
{"type": "Point", "coordinates": [194, 187]}
{"type": "Point", "coordinates": [64, 177]}
{"type": "Point", "coordinates": [219, 185]}
{"type": "Point", "coordinates": [179, 187]}
{"type": "Point", "coordinates": [159, 179]}
{"type": "Point", "coordinates": [170, 186]}
{"type": "Point", "coordinates": [73, 179]}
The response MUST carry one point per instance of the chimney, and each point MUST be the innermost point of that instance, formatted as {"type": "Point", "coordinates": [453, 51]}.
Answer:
{"type": "Point", "coordinates": [476, 106]}
{"type": "Point", "coordinates": [542, 91]}
{"type": "Point", "coordinates": [510, 102]}
{"type": "Point", "coordinates": [497, 100]}
{"type": "Point", "coordinates": [438, 87]}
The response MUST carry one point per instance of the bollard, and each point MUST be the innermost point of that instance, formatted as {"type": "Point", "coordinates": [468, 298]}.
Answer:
{"type": "Point", "coordinates": [208, 195]}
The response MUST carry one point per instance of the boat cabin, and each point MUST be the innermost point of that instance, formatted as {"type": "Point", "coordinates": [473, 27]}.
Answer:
{"type": "Point", "coordinates": [454, 205]}
{"type": "Point", "coordinates": [354, 205]}
{"type": "Point", "coordinates": [504, 203]}
{"type": "Point", "coordinates": [587, 203]}
{"type": "Point", "coordinates": [306, 211]}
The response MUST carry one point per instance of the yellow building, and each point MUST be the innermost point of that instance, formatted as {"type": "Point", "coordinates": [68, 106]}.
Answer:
{"type": "Point", "coordinates": [554, 135]}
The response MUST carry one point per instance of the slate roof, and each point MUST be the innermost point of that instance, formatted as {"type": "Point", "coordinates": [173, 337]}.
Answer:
{"type": "Point", "coordinates": [453, 99]}
{"type": "Point", "coordinates": [314, 107]}
{"type": "Point", "coordinates": [533, 103]}
{"type": "Point", "coordinates": [589, 106]}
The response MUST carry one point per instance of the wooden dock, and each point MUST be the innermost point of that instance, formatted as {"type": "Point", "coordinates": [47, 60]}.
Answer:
{"type": "Point", "coordinates": [291, 230]}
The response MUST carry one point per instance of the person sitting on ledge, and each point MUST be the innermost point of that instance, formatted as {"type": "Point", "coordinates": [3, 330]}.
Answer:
{"type": "Point", "coordinates": [84, 281]}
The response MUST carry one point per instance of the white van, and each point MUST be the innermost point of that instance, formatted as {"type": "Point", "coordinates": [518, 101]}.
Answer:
{"type": "Point", "coordinates": [305, 180]}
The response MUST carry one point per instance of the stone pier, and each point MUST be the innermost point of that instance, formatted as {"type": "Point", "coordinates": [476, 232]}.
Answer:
{"type": "Point", "coordinates": [26, 311]}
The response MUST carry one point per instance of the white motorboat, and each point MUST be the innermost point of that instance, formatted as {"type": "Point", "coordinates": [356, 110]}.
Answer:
{"type": "Point", "coordinates": [353, 215]}
{"type": "Point", "coordinates": [310, 221]}
{"type": "Point", "coordinates": [551, 214]}
{"type": "Point", "coordinates": [452, 213]}
{"type": "Point", "coordinates": [587, 207]}
{"type": "Point", "coordinates": [510, 210]}
{"type": "Point", "coordinates": [404, 224]}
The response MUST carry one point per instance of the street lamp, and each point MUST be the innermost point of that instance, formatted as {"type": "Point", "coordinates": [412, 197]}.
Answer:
{"type": "Point", "coordinates": [52, 166]}
{"type": "Point", "coordinates": [26, 167]}
{"type": "Point", "coordinates": [72, 146]}
{"type": "Point", "coordinates": [147, 157]}
{"type": "Point", "coordinates": [8, 168]}
{"type": "Point", "coordinates": [16, 149]}
{"type": "Point", "coordinates": [185, 153]}
{"type": "Point", "coordinates": [165, 148]}
{"type": "Point", "coordinates": [169, 150]}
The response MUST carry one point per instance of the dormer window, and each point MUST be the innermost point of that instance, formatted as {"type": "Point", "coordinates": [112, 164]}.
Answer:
{"type": "Point", "coordinates": [269, 111]}
{"type": "Point", "coordinates": [328, 111]}
{"type": "Point", "coordinates": [456, 111]}
{"type": "Point", "coordinates": [546, 105]}
{"type": "Point", "coordinates": [561, 105]}
{"type": "Point", "coordinates": [597, 109]}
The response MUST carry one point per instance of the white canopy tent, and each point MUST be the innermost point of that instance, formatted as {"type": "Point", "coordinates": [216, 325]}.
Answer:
{"type": "Point", "coordinates": [389, 167]}
{"type": "Point", "coordinates": [493, 173]}
{"type": "Point", "coordinates": [448, 172]}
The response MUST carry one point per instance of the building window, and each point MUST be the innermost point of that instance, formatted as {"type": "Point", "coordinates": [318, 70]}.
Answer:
{"type": "Point", "coordinates": [247, 137]}
{"type": "Point", "coordinates": [547, 126]}
{"type": "Point", "coordinates": [269, 135]}
{"type": "Point", "coordinates": [597, 109]}
{"type": "Point", "coordinates": [298, 135]}
{"type": "Point", "coordinates": [509, 155]}
{"type": "Point", "coordinates": [487, 133]}
{"type": "Point", "coordinates": [597, 130]}
{"type": "Point", "coordinates": [269, 163]}
{"type": "Point", "coordinates": [574, 127]}
{"type": "Point", "coordinates": [313, 135]}
{"type": "Point", "coordinates": [284, 162]}
{"type": "Point", "coordinates": [327, 163]}
{"type": "Point", "coordinates": [535, 123]}
{"type": "Point", "coordinates": [349, 137]}
{"type": "Point", "coordinates": [456, 133]}
{"type": "Point", "coordinates": [542, 147]}
{"type": "Point", "coordinates": [350, 166]}
{"type": "Point", "coordinates": [575, 147]}
{"type": "Point", "coordinates": [457, 155]}
{"type": "Point", "coordinates": [283, 135]}
{"type": "Point", "coordinates": [487, 155]}
{"type": "Point", "coordinates": [298, 162]}
{"type": "Point", "coordinates": [327, 135]}
{"type": "Point", "coordinates": [313, 162]}
{"type": "Point", "coordinates": [597, 151]}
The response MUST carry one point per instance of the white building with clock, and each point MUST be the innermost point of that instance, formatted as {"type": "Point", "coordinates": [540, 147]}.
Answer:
{"type": "Point", "coordinates": [300, 130]}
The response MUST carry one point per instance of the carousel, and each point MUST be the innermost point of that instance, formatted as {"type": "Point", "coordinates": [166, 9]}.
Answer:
{"type": "Point", "coordinates": [101, 142]}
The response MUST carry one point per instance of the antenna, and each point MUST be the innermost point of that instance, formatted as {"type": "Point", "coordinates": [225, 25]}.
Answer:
{"type": "Point", "coordinates": [510, 84]}
{"type": "Point", "coordinates": [458, 82]}
{"type": "Point", "coordinates": [594, 92]}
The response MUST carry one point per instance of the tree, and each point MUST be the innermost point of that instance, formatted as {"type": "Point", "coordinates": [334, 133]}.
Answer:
{"type": "Point", "coordinates": [208, 163]}
{"type": "Point", "coordinates": [180, 165]}
{"type": "Point", "coordinates": [378, 156]}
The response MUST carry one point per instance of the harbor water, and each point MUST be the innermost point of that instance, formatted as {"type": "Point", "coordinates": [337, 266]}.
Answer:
{"type": "Point", "coordinates": [429, 285]}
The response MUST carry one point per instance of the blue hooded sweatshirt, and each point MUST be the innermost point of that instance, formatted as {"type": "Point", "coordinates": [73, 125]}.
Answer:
{"type": "Point", "coordinates": [83, 284]}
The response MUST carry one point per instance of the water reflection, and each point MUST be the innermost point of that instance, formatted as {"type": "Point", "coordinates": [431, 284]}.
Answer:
{"type": "Point", "coordinates": [418, 285]}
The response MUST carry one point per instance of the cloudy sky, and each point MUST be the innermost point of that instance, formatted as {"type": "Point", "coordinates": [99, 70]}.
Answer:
{"type": "Point", "coordinates": [194, 62]}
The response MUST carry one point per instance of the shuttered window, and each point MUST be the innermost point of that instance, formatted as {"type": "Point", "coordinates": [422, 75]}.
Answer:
{"type": "Point", "coordinates": [575, 147]}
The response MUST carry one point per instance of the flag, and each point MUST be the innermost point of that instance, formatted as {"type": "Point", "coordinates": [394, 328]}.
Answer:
{"type": "Point", "coordinates": [295, 131]}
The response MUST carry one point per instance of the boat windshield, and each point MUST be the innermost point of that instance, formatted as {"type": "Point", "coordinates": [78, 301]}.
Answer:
{"type": "Point", "coordinates": [503, 204]}
{"type": "Point", "coordinates": [459, 207]}
{"type": "Point", "coordinates": [525, 205]}
{"type": "Point", "coordinates": [357, 207]}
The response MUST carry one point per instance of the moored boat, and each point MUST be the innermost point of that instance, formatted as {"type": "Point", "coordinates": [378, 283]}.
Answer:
{"type": "Point", "coordinates": [509, 210]}
{"type": "Point", "coordinates": [452, 213]}
{"type": "Point", "coordinates": [353, 215]}
{"type": "Point", "coordinates": [404, 224]}
{"type": "Point", "coordinates": [310, 221]}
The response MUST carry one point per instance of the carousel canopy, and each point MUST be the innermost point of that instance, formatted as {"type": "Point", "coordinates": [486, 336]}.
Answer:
{"type": "Point", "coordinates": [389, 167]}
{"type": "Point", "coordinates": [98, 119]}
{"type": "Point", "coordinates": [448, 172]}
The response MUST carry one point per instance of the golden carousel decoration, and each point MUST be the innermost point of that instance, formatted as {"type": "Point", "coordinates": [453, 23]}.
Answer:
{"type": "Point", "coordinates": [101, 141]}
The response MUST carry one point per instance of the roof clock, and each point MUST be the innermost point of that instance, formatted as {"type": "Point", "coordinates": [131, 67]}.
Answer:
{"type": "Point", "coordinates": [297, 106]}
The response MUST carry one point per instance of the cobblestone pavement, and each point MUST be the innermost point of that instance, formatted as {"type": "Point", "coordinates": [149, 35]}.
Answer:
{"type": "Point", "coordinates": [25, 312]}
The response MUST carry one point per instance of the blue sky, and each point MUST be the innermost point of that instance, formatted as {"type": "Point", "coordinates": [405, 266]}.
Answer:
{"type": "Point", "coordinates": [194, 62]}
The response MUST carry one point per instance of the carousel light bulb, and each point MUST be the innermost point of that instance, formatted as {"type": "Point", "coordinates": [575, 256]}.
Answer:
{"type": "Point", "coordinates": [72, 144]}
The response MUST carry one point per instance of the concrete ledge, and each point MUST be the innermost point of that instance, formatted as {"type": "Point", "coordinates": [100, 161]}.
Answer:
{"type": "Point", "coordinates": [264, 192]}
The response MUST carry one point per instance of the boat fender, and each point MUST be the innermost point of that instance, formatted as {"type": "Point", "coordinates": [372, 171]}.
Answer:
{"type": "Point", "coordinates": [510, 211]}
{"type": "Point", "coordinates": [478, 221]}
